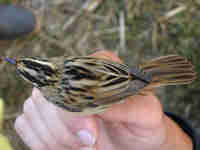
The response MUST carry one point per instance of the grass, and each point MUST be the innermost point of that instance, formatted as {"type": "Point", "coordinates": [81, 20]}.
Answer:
{"type": "Point", "coordinates": [146, 35]}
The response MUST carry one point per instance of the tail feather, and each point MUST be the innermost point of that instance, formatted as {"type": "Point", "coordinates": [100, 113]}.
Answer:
{"type": "Point", "coordinates": [169, 70]}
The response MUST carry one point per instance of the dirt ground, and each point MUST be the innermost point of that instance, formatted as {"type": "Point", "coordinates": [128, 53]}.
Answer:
{"type": "Point", "coordinates": [135, 30]}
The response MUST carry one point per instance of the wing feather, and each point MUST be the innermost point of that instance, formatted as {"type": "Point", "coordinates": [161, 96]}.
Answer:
{"type": "Point", "coordinates": [98, 77]}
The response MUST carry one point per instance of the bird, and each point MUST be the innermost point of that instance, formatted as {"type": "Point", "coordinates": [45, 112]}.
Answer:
{"type": "Point", "coordinates": [91, 85]}
{"type": "Point", "coordinates": [17, 21]}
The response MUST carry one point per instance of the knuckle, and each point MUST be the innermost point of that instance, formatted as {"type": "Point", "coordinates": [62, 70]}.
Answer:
{"type": "Point", "coordinates": [19, 122]}
{"type": "Point", "coordinates": [28, 104]}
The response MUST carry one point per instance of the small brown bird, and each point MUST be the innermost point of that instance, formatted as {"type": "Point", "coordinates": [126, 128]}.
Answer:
{"type": "Point", "coordinates": [90, 85]}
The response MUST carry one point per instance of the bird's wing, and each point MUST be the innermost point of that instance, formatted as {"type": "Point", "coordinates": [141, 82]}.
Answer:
{"type": "Point", "coordinates": [97, 81]}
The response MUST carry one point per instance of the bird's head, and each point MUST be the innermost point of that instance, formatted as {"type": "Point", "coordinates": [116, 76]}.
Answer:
{"type": "Point", "coordinates": [39, 72]}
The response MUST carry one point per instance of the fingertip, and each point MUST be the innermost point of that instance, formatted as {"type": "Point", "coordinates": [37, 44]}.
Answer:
{"type": "Point", "coordinates": [150, 96]}
{"type": "Point", "coordinates": [36, 93]}
{"type": "Point", "coordinates": [19, 122]}
{"type": "Point", "coordinates": [27, 105]}
{"type": "Point", "coordinates": [106, 55]}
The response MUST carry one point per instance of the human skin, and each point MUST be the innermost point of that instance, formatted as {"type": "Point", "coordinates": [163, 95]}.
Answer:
{"type": "Point", "coordinates": [136, 124]}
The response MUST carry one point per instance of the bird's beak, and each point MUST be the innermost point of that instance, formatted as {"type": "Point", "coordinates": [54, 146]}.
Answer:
{"type": "Point", "coordinates": [10, 60]}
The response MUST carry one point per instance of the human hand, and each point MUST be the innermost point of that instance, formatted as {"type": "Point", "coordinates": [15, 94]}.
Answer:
{"type": "Point", "coordinates": [138, 123]}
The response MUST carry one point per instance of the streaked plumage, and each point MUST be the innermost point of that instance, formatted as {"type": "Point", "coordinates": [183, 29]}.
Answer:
{"type": "Point", "coordinates": [90, 85]}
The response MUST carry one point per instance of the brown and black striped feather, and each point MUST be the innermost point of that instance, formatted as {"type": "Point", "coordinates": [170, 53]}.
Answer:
{"type": "Point", "coordinates": [87, 82]}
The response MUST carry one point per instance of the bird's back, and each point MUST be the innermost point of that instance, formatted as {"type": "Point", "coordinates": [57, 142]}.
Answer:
{"type": "Point", "coordinates": [92, 83]}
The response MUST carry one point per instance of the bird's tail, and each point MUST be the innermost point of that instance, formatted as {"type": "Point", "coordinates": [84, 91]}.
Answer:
{"type": "Point", "coordinates": [169, 70]}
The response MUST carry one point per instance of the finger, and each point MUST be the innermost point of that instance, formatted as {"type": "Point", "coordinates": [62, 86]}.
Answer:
{"type": "Point", "coordinates": [142, 111]}
{"type": "Point", "coordinates": [106, 136]}
{"type": "Point", "coordinates": [78, 123]}
{"type": "Point", "coordinates": [28, 135]}
{"type": "Point", "coordinates": [61, 133]}
{"type": "Point", "coordinates": [106, 55]}
{"type": "Point", "coordinates": [39, 126]}
{"type": "Point", "coordinates": [85, 127]}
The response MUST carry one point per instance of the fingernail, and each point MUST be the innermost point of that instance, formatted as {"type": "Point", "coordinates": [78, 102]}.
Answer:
{"type": "Point", "coordinates": [87, 138]}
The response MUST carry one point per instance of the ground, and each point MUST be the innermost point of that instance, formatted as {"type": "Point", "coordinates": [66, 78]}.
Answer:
{"type": "Point", "coordinates": [134, 30]}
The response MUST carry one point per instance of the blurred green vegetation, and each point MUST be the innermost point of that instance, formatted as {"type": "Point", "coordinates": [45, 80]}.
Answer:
{"type": "Point", "coordinates": [4, 143]}
{"type": "Point", "coordinates": [146, 36]}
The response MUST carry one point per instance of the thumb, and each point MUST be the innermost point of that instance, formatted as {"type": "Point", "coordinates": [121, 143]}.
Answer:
{"type": "Point", "coordinates": [142, 111]}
